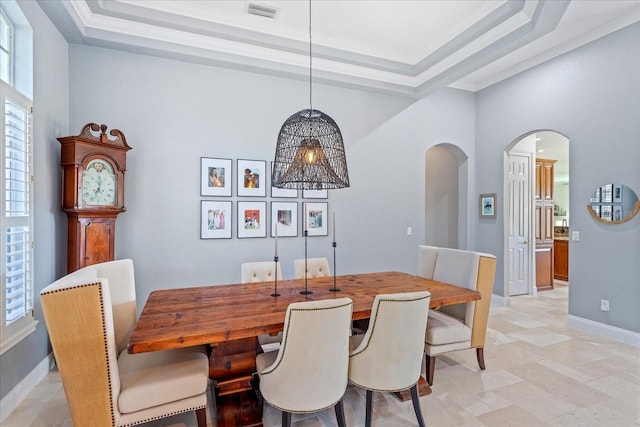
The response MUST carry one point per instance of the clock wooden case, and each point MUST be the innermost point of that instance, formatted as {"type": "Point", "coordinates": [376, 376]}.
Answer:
{"type": "Point", "coordinates": [93, 169]}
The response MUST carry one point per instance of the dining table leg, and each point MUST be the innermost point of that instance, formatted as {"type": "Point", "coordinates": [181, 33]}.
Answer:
{"type": "Point", "coordinates": [231, 367]}
{"type": "Point", "coordinates": [423, 390]}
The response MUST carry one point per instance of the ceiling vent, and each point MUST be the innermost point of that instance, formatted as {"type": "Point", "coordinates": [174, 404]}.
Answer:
{"type": "Point", "coordinates": [263, 10]}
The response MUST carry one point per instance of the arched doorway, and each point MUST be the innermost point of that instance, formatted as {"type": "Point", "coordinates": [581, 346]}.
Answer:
{"type": "Point", "coordinates": [536, 165]}
{"type": "Point", "coordinates": [446, 197]}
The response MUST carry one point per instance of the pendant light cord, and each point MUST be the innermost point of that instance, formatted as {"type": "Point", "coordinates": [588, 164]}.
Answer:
{"type": "Point", "coordinates": [310, 61]}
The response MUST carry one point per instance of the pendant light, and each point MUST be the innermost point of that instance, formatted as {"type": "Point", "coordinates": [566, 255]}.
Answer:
{"type": "Point", "coordinates": [310, 151]}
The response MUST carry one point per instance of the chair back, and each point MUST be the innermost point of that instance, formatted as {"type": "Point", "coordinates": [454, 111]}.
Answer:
{"type": "Point", "coordinates": [122, 287]}
{"type": "Point", "coordinates": [389, 357]}
{"type": "Point", "coordinates": [469, 269]}
{"type": "Point", "coordinates": [316, 267]}
{"type": "Point", "coordinates": [261, 271]}
{"type": "Point", "coordinates": [79, 315]}
{"type": "Point", "coordinates": [309, 373]}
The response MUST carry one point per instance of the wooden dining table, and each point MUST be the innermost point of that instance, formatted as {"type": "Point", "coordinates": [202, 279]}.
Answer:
{"type": "Point", "coordinates": [229, 318]}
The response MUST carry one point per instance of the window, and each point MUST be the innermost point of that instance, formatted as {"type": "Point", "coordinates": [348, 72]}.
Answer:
{"type": "Point", "coordinates": [16, 221]}
{"type": "Point", "coordinates": [6, 48]}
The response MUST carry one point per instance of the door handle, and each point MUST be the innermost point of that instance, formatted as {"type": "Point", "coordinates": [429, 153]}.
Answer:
{"type": "Point", "coordinates": [526, 242]}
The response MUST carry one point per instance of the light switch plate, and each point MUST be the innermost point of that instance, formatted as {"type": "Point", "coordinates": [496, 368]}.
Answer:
{"type": "Point", "coordinates": [575, 235]}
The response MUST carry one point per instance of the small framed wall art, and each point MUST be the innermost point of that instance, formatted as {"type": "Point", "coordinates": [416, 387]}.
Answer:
{"type": "Point", "coordinates": [315, 194]}
{"type": "Point", "coordinates": [488, 206]}
{"type": "Point", "coordinates": [252, 219]}
{"type": "Point", "coordinates": [252, 178]}
{"type": "Point", "coordinates": [215, 220]}
{"type": "Point", "coordinates": [315, 218]}
{"type": "Point", "coordinates": [215, 177]}
{"type": "Point", "coordinates": [282, 192]}
{"type": "Point", "coordinates": [284, 215]}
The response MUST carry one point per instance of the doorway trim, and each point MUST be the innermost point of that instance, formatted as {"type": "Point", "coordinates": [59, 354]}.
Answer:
{"type": "Point", "coordinates": [505, 212]}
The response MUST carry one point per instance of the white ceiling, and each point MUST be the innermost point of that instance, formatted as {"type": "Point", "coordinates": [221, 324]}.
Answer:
{"type": "Point", "coordinates": [407, 48]}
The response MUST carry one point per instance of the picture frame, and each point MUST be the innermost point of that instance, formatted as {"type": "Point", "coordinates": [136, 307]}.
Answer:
{"type": "Point", "coordinates": [617, 211]}
{"type": "Point", "coordinates": [595, 198]}
{"type": "Point", "coordinates": [215, 219]}
{"type": "Point", "coordinates": [282, 192]}
{"type": "Point", "coordinates": [617, 194]}
{"type": "Point", "coordinates": [252, 178]}
{"type": "Point", "coordinates": [606, 193]}
{"type": "Point", "coordinates": [315, 217]}
{"type": "Point", "coordinates": [215, 176]}
{"type": "Point", "coordinates": [285, 214]}
{"type": "Point", "coordinates": [488, 205]}
{"type": "Point", "coordinates": [606, 212]}
{"type": "Point", "coordinates": [252, 219]}
{"type": "Point", "coordinates": [315, 194]}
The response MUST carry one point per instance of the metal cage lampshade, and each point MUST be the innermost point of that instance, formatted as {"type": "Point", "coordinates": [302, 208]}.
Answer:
{"type": "Point", "coordinates": [310, 153]}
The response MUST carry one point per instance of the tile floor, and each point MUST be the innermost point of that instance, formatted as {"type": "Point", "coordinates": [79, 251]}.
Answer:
{"type": "Point", "coordinates": [539, 373]}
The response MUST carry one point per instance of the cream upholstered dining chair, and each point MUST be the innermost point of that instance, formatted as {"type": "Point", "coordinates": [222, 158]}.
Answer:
{"type": "Point", "coordinates": [388, 356]}
{"type": "Point", "coordinates": [263, 271]}
{"type": "Point", "coordinates": [316, 267]}
{"type": "Point", "coordinates": [260, 271]}
{"type": "Point", "coordinates": [457, 326]}
{"type": "Point", "coordinates": [309, 371]}
{"type": "Point", "coordinates": [90, 314]}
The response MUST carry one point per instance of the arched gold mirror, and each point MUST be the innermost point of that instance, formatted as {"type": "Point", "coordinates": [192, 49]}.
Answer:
{"type": "Point", "coordinates": [613, 204]}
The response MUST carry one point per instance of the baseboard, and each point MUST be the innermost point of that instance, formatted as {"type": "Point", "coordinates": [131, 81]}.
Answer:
{"type": "Point", "coordinates": [500, 300]}
{"type": "Point", "coordinates": [24, 387]}
{"type": "Point", "coordinates": [613, 332]}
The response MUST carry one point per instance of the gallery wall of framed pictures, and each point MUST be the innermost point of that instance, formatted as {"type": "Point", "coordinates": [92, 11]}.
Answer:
{"type": "Point", "coordinates": [250, 180]}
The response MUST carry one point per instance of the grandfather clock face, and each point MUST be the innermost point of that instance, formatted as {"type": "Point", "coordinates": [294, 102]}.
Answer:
{"type": "Point", "coordinates": [99, 184]}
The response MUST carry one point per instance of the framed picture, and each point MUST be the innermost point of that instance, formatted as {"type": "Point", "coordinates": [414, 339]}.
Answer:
{"type": "Point", "coordinates": [215, 177]}
{"type": "Point", "coordinates": [282, 192]}
{"type": "Point", "coordinates": [315, 194]}
{"type": "Point", "coordinates": [606, 193]}
{"type": "Point", "coordinates": [284, 215]}
{"type": "Point", "coordinates": [617, 211]}
{"type": "Point", "coordinates": [215, 220]}
{"type": "Point", "coordinates": [617, 194]}
{"type": "Point", "coordinates": [595, 198]}
{"type": "Point", "coordinates": [315, 218]}
{"type": "Point", "coordinates": [252, 219]}
{"type": "Point", "coordinates": [606, 212]}
{"type": "Point", "coordinates": [252, 178]}
{"type": "Point", "coordinates": [488, 205]}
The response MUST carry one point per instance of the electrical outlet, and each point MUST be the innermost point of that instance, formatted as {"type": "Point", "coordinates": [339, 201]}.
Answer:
{"type": "Point", "coordinates": [409, 231]}
{"type": "Point", "coordinates": [575, 235]}
{"type": "Point", "coordinates": [604, 305]}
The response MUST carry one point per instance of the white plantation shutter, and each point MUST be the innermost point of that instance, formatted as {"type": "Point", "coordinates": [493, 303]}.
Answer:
{"type": "Point", "coordinates": [16, 221]}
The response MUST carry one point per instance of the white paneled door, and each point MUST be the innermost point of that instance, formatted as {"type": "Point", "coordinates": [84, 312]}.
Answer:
{"type": "Point", "coordinates": [519, 211]}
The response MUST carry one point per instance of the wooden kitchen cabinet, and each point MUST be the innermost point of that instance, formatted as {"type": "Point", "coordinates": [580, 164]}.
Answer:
{"type": "Point", "coordinates": [544, 206]}
{"type": "Point", "coordinates": [544, 179]}
{"type": "Point", "coordinates": [561, 259]}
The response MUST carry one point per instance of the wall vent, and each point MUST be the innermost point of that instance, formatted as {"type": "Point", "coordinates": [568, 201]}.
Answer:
{"type": "Point", "coordinates": [263, 10]}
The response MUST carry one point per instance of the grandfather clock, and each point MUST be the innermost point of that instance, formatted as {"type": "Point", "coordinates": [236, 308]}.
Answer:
{"type": "Point", "coordinates": [93, 167]}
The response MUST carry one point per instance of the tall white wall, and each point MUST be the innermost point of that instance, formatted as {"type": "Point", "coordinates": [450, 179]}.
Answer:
{"type": "Point", "coordinates": [591, 95]}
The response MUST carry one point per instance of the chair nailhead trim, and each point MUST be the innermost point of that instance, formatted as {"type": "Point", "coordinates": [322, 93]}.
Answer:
{"type": "Point", "coordinates": [163, 416]}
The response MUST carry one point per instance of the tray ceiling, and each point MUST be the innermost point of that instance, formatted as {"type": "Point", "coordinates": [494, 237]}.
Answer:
{"type": "Point", "coordinates": [407, 48]}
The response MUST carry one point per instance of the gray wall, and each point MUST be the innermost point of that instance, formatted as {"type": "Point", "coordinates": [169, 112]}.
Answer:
{"type": "Point", "coordinates": [172, 113]}
{"type": "Point", "coordinates": [591, 95]}
{"type": "Point", "coordinates": [51, 106]}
